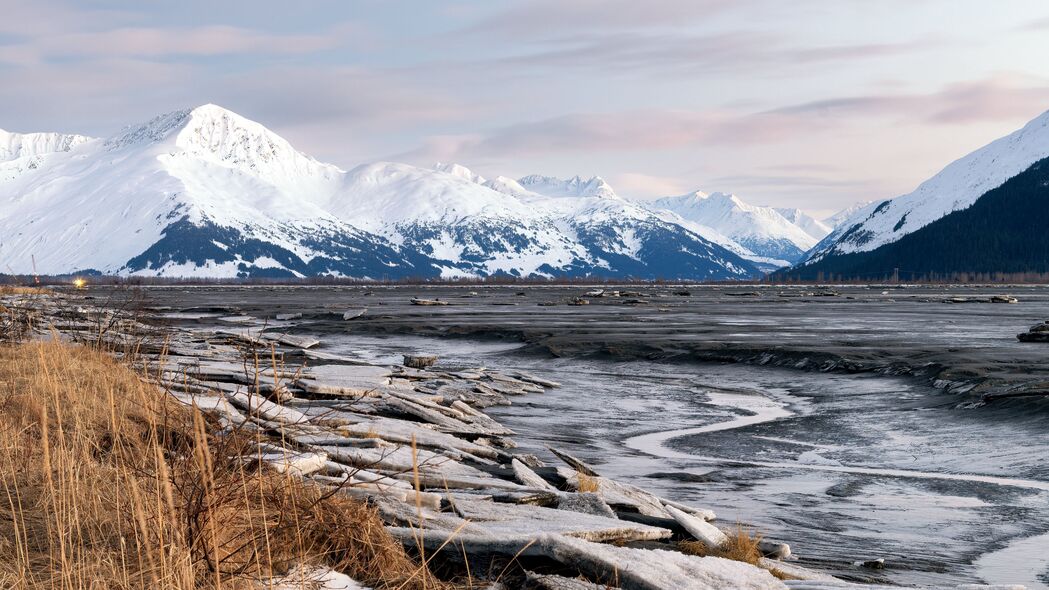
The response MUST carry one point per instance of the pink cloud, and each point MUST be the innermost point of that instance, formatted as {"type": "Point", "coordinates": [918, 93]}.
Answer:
{"type": "Point", "coordinates": [999, 98]}
{"type": "Point", "coordinates": [198, 41]}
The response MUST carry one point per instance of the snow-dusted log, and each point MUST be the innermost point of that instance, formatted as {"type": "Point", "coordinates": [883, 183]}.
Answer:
{"type": "Point", "coordinates": [534, 379]}
{"type": "Point", "coordinates": [618, 494]}
{"type": "Point", "coordinates": [318, 355]}
{"type": "Point", "coordinates": [638, 569]}
{"type": "Point", "coordinates": [288, 461]}
{"type": "Point", "coordinates": [574, 463]}
{"type": "Point", "coordinates": [403, 432]}
{"type": "Point", "coordinates": [492, 527]}
{"type": "Point", "coordinates": [707, 515]}
{"type": "Point", "coordinates": [706, 533]}
{"type": "Point", "coordinates": [552, 582]}
{"type": "Point", "coordinates": [256, 405]}
{"type": "Point", "coordinates": [585, 503]}
{"type": "Point", "coordinates": [795, 571]}
{"type": "Point", "coordinates": [292, 340]}
{"type": "Point", "coordinates": [529, 478]}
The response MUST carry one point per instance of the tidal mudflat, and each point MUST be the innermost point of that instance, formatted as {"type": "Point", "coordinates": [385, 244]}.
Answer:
{"type": "Point", "coordinates": [858, 423]}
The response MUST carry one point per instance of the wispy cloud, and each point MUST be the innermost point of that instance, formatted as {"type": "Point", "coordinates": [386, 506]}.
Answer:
{"type": "Point", "coordinates": [689, 52]}
{"type": "Point", "coordinates": [620, 131]}
{"type": "Point", "coordinates": [545, 16]}
{"type": "Point", "coordinates": [157, 43]}
{"type": "Point", "coordinates": [1003, 97]}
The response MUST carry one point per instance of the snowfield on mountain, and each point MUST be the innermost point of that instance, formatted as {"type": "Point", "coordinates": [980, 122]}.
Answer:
{"type": "Point", "coordinates": [954, 188]}
{"type": "Point", "coordinates": [208, 193]}
{"type": "Point", "coordinates": [761, 230]}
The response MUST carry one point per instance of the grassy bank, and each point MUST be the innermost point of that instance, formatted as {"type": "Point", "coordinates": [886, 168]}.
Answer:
{"type": "Point", "coordinates": [110, 483]}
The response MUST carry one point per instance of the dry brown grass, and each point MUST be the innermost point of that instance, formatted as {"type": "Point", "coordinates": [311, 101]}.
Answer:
{"type": "Point", "coordinates": [109, 483]}
{"type": "Point", "coordinates": [586, 483]}
{"type": "Point", "coordinates": [742, 546]}
{"type": "Point", "coordinates": [21, 290]}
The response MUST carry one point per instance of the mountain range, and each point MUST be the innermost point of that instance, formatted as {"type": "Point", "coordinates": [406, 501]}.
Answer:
{"type": "Point", "coordinates": [984, 213]}
{"type": "Point", "coordinates": [208, 193]}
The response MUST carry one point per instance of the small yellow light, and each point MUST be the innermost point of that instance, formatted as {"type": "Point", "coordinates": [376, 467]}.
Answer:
{"type": "Point", "coordinates": [79, 283]}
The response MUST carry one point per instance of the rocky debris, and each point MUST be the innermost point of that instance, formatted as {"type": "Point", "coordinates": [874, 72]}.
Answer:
{"type": "Point", "coordinates": [586, 503]}
{"type": "Point", "coordinates": [1036, 333]}
{"type": "Point", "coordinates": [1004, 299]}
{"type": "Point", "coordinates": [419, 301]}
{"type": "Point", "coordinates": [553, 582]}
{"type": "Point", "coordinates": [578, 301]}
{"type": "Point", "coordinates": [420, 361]}
{"type": "Point", "coordinates": [774, 549]}
{"type": "Point", "coordinates": [292, 340]}
{"type": "Point", "coordinates": [353, 314]}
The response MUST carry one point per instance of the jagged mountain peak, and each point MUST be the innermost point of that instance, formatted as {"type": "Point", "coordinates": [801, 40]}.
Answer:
{"type": "Point", "coordinates": [21, 145]}
{"type": "Point", "coordinates": [577, 186]}
{"type": "Point", "coordinates": [762, 230]}
{"type": "Point", "coordinates": [207, 192]}
{"type": "Point", "coordinates": [812, 226]}
{"type": "Point", "coordinates": [218, 136]}
{"type": "Point", "coordinates": [460, 171]}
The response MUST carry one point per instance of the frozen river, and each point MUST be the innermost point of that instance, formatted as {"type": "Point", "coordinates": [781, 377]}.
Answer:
{"type": "Point", "coordinates": [845, 468]}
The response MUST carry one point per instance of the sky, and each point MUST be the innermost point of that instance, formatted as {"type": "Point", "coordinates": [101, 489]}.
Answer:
{"type": "Point", "coordinates": [815, 104]}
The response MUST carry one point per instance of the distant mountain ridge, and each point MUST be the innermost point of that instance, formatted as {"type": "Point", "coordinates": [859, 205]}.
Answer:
{"type": "Point", "coordinates": [1001, 233]}
{"type": "Point", "coordinates": [761, 230]}
{"type": "Point", "coordinates": [955, 187]}
{"type": "Point", "coordinates": [205, 192]}
{"type": "Point", "coordinates": [979, 214]}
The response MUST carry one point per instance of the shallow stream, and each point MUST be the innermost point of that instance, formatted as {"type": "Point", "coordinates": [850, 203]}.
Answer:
{"type": "Point", "coordinates": [846, 468]}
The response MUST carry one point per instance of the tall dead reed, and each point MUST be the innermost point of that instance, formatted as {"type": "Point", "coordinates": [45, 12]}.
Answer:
{"type": "Point", "coordinates": [107, 482]}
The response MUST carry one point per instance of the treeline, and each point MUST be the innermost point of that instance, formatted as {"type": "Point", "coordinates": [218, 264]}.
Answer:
{"type": "Point", "coordinates": [820, 278]}
{"type": "Point", "coordinates": [496, 280]}
{"type": "Point", "coordinates": [1002, 237]}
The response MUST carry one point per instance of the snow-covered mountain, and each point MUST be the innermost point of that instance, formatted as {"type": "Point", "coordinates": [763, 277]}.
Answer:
{"type": "Point", "coordinates": [598, 231]}
{"type": "Point", "coordinates": [954, 188]}
{"type": "Point", "coordinates": [761, 230]}
{"type": "Point", "coordinates": [810, 225]}
{"type": "Point", "coordinates": [206, 192]}
{"type": "Point", "coordinates": [572, 187]}
{"type": "Point", "coordinates": [835, 221]}
{"type": "Point", "coordinates": [23, 152]}
{"type": "Point", "coordinates": [199, 192]}
{"type": "Point", "coordinates": [24, 145]}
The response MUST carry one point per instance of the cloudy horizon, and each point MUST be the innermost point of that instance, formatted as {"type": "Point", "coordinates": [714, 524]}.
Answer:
{"type": "Point", "coordinates": [814, 105]}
